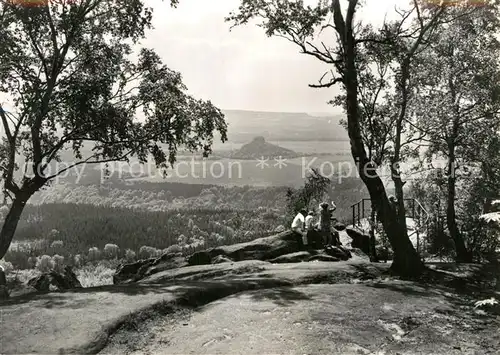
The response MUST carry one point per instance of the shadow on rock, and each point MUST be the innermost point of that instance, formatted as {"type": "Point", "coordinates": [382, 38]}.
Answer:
{"type": "Point", "coordinates": [282, 296]}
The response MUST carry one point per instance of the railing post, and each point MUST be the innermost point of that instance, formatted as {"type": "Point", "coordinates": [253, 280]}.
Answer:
{"type": "Point", "coordinates": [363, 207]}
{"type": "Point", "coordinates": [353, 215]}
{"type": "Point", "coordinates": [418, 242]}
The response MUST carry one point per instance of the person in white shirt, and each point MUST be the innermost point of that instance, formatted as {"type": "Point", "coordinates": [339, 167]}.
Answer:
{"type": "Point", "coordinates": [298, 224]}
{"type": "Point", "coordinates": [309, 220]}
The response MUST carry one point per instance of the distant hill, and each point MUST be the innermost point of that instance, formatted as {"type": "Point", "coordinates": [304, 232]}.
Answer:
{"type": "Point", "coordinates": [258, 148]}
{"type": "Point", "coordinates": [284, 126]}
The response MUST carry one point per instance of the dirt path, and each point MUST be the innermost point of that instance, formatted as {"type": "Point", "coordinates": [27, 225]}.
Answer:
{"type": "Point", "coordinates": [374, 318]}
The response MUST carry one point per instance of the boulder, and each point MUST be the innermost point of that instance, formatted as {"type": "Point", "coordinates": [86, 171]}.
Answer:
{"type": "Point", "coordinates": [4, 291]}
{"type": "Point", "coordinates": [219, 259]}
{"type": "Point", "coordinates": [359, 254]}
{"type": "Point", "coordinates": [338, 252]}
{"type": "Point", "coordinates": [3, 278]}
{"type": "Point", "coordinates": [323, 257]}
{"type": "Point", "coordinates": [53, 280]}
{"type": "Point", "coordinates": [259, 249]}
{"type": "Point", "coordinates": [279, 229]}
{"type": "Point", "coordinates": [292, 258]}
{"type": "Point", "coordinates": [359, 239]}
{"type": "Point", "coordinates": [200, 258]}
{"type": "Point", "coordinates": [127, 273]}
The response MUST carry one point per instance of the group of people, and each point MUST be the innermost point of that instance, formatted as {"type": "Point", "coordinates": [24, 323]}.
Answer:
{"type": "Point", "coordinates": [316, 228]}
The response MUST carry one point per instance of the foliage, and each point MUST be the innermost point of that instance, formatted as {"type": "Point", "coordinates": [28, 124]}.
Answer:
{"type": "Point", "coordinates": [45, 263]}
{"type": "Point", "coordinates": [457, 107]}
{"type": "Point", "coordinates": [130, 255]}
{"type": "Point", "coordinates": [6, 266]}
{"type": "Point", "coordinates": [111, 251]}
{"type": "Point", "coordinates": [73, 82]}
{"type": "Point", "coordinates": [313, 192]}
{"type": "Point", "coordinates": [146, 252]}
{"type": "Point", "coordinates": [94, 254]}
{"type": "Point", "coordinates": [96, 274]}
{"type": "Point", "coordinates": [357, 49]}
{"type": "Point", "coordinates": [58, 262]}
{"type": "Point", "coordinates": [488, 302]}
{"type": "Point", "coordinates": [77, 260]}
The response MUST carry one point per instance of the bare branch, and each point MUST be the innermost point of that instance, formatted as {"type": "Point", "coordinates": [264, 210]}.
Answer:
{"type": "Point", "coordinates": [331, 83]}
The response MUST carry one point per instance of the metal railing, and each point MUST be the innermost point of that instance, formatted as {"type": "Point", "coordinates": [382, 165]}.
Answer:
{"type": "Point", "coordinates": [413, 209]}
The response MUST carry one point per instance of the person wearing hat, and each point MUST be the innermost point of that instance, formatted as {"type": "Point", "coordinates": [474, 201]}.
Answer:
{"type": "Point", "coordinates": [325, 223]}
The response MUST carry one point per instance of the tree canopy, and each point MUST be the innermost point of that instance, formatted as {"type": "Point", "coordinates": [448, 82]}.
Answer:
{"type": "Point", "coordinates": [75, 78]}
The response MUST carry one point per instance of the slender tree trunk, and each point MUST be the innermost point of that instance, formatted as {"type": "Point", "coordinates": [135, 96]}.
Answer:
{"type": "Point", "coordinates": [10, 224]}
{"type": "Point", "coordinates": [406, 260]}
{"type": "Point", "coordinates": [463, 255]}
{"type": "Point", "coordinates": [373, 249]}
{"type": "Point", "coordinates": [21, 196]}
{"type": "Point", "coordinates": [401, 212]}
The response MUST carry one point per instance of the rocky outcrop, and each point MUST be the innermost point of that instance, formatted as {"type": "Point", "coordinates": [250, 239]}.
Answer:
{"type": "Point", "coordinates": [324, 257]}
{"type": "Point", "coordinates": [285, 247]}
{"type": "Point", "coordinates": [200, 258]}
{"type": "Point", "coordinates": [259, 249]}
{"type": "Point", "coordinates": [338, 252]}
{"type": "Point", "coordinates": [331, 253]}
{"type": "Point", "coordinates": [55, 281]}
{"type": "Point", "coordinates": [292, 258]}
{"type": "Point", "coordinates": [219, 259]}
{"type": "Point", "coordinates": [127, 273]}
{"type": "Point", "coordinates": [258, 148]}
{"type": "Point", "coordinates": [360, 240]}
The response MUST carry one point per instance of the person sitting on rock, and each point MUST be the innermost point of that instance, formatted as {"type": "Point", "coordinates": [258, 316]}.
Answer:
{"type": "Point", "coordinates": [309, 228]}
{"type": "Point", "coordinates": [298, 225]}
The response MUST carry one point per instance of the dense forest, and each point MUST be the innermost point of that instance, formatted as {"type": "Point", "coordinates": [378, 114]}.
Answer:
{"type": "Point", "coordinates": [158, 215]}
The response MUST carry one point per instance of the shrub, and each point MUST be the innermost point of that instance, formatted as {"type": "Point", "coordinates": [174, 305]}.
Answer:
{"type": "Point", "coordinates": [230, 232]}
{"type": "Point", "coordinates": [58, 262]}
{"type": "Point", "coordinates": [32, 262]}
{"type": "Point", "coordinates": [173, 249]}
{"type": "Point", "coordinates": [57, 244]}
{"type": "Point", "coordinates": [279, 229]}
{"type": "Point", "coordinates": [94, 254]}
{"type": "Point", "coordinates": [146, 252]}
{"type": "Point", "coordinates": [111, 251]}
{"type": "Point", "coordinates": [7, 266]}
{"type": "Point", "coordinates": [78, 260]}
{"type": "Point", "coordinates": [129, 255]}
{"type": "Point", "coordinates": [44, 263]}
{"type": "Point", "coordinates": [53, 234]}
{"type": "Point", "coordinates": [18, 258]}
{"type": "Point", "coordinates": [182, 240]}
{"type": "Point", "coordinates": [95, 275]}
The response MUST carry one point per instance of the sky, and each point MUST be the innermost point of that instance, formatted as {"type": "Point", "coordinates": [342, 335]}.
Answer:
{"type": "Point", "coordinates": [242, 68]}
